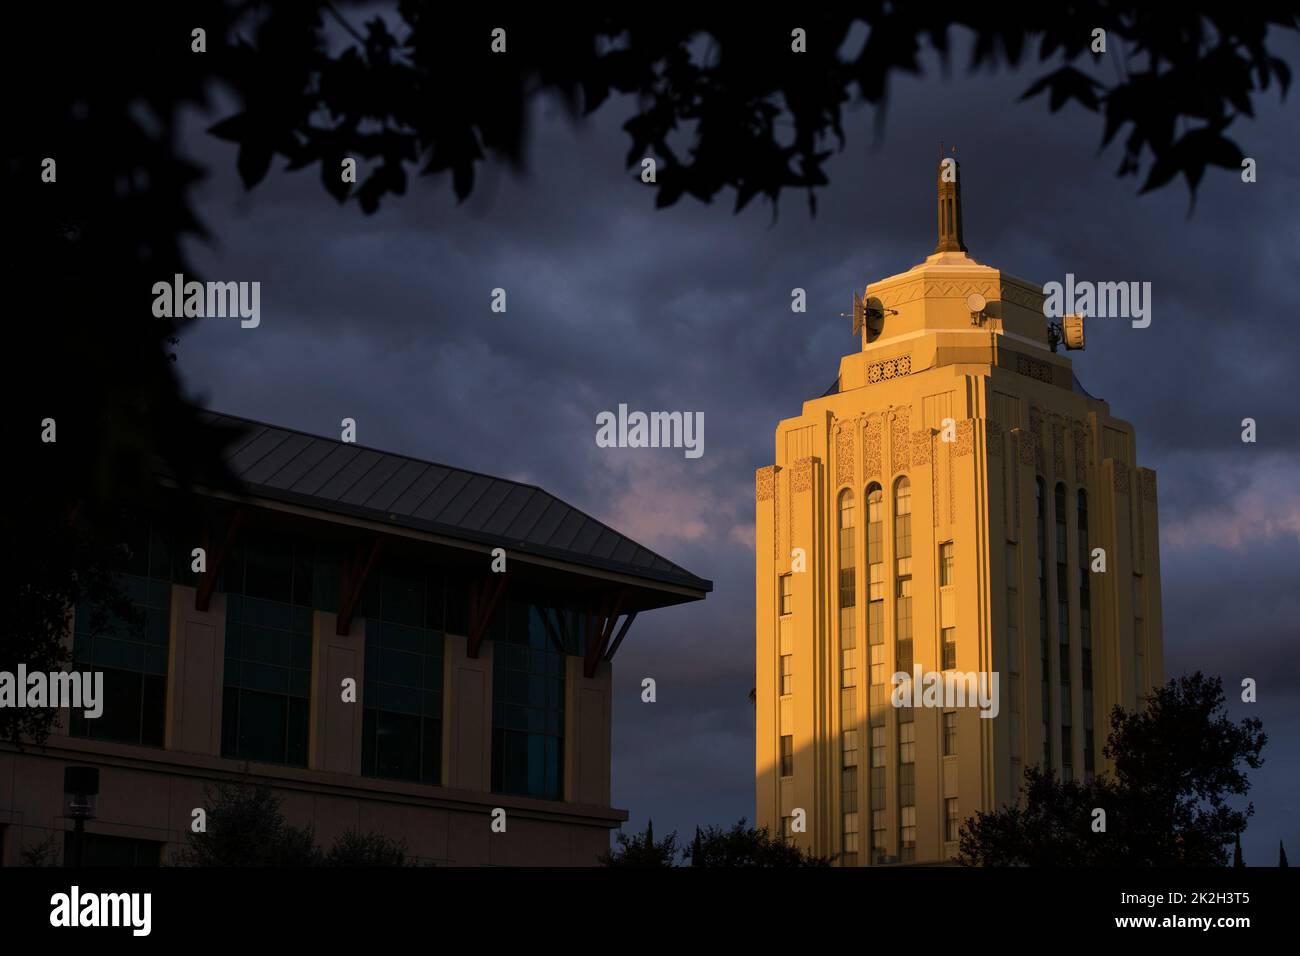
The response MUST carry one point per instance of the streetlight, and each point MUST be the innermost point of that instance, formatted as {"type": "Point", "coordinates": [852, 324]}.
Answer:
{"type": "Point", "coordinates": [80, 800]}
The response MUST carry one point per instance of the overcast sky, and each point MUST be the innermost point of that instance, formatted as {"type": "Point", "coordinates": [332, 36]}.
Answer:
{"type": "Point", "coordinates": [386, 319]}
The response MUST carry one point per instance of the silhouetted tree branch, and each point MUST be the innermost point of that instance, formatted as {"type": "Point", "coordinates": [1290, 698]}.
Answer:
{"type": "Point", "coordinates": [721, 100]}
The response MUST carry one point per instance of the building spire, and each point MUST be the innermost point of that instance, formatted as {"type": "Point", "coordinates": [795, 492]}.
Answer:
{"type": "Point", "coordinates": [950, 234]}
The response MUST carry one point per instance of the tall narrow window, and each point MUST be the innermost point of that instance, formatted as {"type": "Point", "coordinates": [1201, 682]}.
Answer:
{"type": "Point", "coordinates": [907, 785]}
{"type": "Point", "coordinates": [950, 733]}
{"type": "Point", "coordinates": [848, 564]}
{"type": "Point", "coordinates": [1044, 639]}
{"type": "Point", "coordinates": [907, 834]}
{"type": "Point", "coordinates": [1139, 638]}
{"type": "Point", "coordinates": [847, 595]}
{"type": "Point", "coordinates": [787, 755]}
{"type": "Point", "coordinates": [849, 802]}
{"type": "Point", "coordinates": [878, 793]}
{"type": "Point", "coordinates": [787, 594]}
{"type": "Point", "coordinates": [904, 651]}
{"type": "Point", "coordinates": [903, 573]}
{"type": "Point", "coordinates": [907, 743]}
{"type": "Point", "coordinates": [903, 526]}
{"type": "Point", "coordinates": [949, 635]}
{"type": "Point", "coordinates": [875, 544]}
{"type": "Point", "coordinates": [848, 680]}
{"type": "Point", "coordinates": [876, 594]}
{"type": "Point", "coordinates": [1085, 636]}
{"type": "Point", "coordinates": [401, 736]}
{"type": "Point", "coordinates": [876, 646]}
{"type": "Point", "coordinates": [528, 699]}
{"type": "Point", "coordinates": [787, 674]}
{"type": "Point", "coordinates": [1064, 657]}
{"type": "Point", "coordinates": [878, 835]}
{"type": "Point", "coordinates": [266, 704]}
{"type": "Point", "coordinates": [950, 821]}
{"type": "Point", "coordinates": [131, 654]}
{"type": "Point", "coordinates": [1014, 651]}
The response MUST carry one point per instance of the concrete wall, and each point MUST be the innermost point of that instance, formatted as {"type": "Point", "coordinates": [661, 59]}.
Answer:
{"type": "Point", "coordinates": [467, 735]}
{"type": "Point", "coordinates": [195, 673]}
{"type": "Point", "coordinates": [335, 742]}
{"type": "Point", "coordinates": [153, 799]}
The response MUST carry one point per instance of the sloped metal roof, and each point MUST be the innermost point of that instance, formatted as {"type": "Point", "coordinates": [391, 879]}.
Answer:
{"type": "Point", "coordinates": [330, 475]}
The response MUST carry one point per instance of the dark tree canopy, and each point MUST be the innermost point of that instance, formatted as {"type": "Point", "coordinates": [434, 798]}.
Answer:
{"type": "Point", "coordinates": [358, 848]}
{"type": "Point", "coordinates": [722, 100]}
{"type": "Point", "coordinates": [245, 826]}
{"type": "Point", "coordinates": [738, 846]}
{"type": "Point", "coordinates": [642, 850]}
{"type": "Point", "coordinates": [1178, 762]}
{"type": "Point", "coordinates": [744, 846]}
{"type": "Point", "coordinates": [100, 93]}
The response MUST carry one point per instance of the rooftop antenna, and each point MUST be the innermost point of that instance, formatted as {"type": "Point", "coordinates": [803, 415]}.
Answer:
{"type": "Point", "coordinates": [949, 206]}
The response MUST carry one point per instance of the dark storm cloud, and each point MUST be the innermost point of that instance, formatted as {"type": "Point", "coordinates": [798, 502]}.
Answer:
{"type": "Point", "coordinates": [386, 319]}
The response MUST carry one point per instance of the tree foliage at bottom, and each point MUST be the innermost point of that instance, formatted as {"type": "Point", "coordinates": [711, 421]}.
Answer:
{"type": "Point", "coordinates": [1177, 763]}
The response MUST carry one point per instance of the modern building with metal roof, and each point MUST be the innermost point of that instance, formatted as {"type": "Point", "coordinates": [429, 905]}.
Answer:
{"type": "Point", "coordinates": [289, 466]}
{"type": "Point", "coordinates": [396, 646]}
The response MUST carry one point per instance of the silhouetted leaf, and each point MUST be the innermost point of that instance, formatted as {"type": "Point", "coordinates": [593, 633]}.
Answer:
{"type": "Point", "coordinates": [1064, 85]}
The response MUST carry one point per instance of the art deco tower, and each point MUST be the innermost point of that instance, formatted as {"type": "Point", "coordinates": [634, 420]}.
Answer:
{"type": "Point", "coordinates": [945, 501]}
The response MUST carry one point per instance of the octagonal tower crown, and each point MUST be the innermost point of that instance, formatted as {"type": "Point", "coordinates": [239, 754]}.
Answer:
{"type": "Point", "coordinates": [947, 309]}
{"type": "Point", "coordinates": [935, 296]}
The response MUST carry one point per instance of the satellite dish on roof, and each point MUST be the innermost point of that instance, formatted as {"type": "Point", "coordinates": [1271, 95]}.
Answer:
{"type": "Point", "coordinates": [976, 302]}
{"type": "Point", "coordinates": [1072, 332]}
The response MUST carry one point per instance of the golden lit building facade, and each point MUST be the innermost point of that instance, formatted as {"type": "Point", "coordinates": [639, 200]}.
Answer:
{"type": "Point", "coordinates": [944, 506]}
